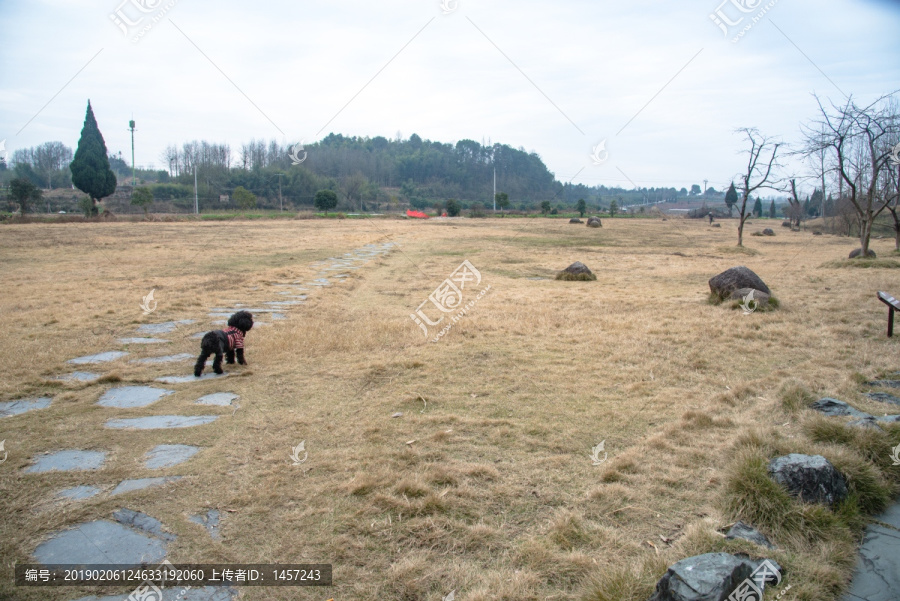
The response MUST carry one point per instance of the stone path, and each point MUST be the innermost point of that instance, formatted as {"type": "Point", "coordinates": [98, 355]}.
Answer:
{"type": "Point", "coordinates": [877, 575]}
{"type": "Point", "coordinates": [131, 537]}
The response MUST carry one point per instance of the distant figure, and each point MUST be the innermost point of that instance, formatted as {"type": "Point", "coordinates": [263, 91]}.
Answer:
{"type": "Point", "coordinates": [710, 216]}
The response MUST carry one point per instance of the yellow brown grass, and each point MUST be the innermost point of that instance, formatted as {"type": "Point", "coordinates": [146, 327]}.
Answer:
{"type": "Point", "coordinates": [486, 486]}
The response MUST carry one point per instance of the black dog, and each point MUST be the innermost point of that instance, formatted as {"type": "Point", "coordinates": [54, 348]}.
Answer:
{"type": "Point", "coordinates": [228, 342]}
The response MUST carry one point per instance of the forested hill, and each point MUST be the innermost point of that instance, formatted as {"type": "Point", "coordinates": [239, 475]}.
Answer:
{"type": "Point", "coordinates": [367, 171]}
{"type": "Point", "coordinates": [433, 170]}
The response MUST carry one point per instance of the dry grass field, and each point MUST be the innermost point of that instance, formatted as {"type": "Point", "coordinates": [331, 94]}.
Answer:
{"type": "Point", "coordinates": [485, 485]}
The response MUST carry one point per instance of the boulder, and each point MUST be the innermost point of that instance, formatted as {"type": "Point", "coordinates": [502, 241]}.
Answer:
{"type": "Point", "coordinates": [736, 278]}
{"type": "Point", "coordinates": [768, 232]}
{"type": "Point", "coordinates": [858, 251]}
{"type": "Point", "coordinates": [707, 577]}
{"type": "Point", "coordinates": [811, 478]}
{"type": "Point", "coordinates": [834, 407]}
{"type": "Point", "coordinates": [748, 532]}
{"type": "Point", "coordinates": [761, 298]}
{"type": "Point", "coordinates": [594, 222]}
{"type": "Point", "coordinates": [575, 220]}
{"type": "Point", "coordinates": [785, 224]}
{"type": "Point", "coordinates": [577, 271]}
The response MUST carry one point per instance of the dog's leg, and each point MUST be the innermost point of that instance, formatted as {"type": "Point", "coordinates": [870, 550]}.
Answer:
{"type": "Point", "coordinates": [229, 357]}
{"type": "Point", "coordinates": [240, 356]}
{"type": "Point", "coordinates": [201, 363]}
{"type": "Point", "coordinates": [217, 363]}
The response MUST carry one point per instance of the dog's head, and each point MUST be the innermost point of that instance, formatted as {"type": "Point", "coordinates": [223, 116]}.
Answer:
{"type": "Point", "coordinates": [242, 320]}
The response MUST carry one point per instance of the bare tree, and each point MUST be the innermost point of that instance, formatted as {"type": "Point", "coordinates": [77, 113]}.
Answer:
{"type": "Point", "coordinates": [762, 157]}
{"type": "Point", "coordinates": [858, 139]}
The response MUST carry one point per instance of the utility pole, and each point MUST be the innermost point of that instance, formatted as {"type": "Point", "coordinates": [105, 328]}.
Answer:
{"type": "Point", "coordinates": [495, 189]}
{"type": "Point", "coordinates": [280, 198]}
{"type": "Point", "coordinates": [133, 178]}
{"type": "Point", "coordinates": [704, 187]}
{"type": "Point", "coordinates": [196, 201]}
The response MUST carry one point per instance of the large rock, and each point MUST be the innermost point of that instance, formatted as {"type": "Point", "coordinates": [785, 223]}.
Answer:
{"type": "Point", "coordinates": [594, 222]}
{"type": "Point", "coordinates": [858, 251]}
{"type": "Point", "coordinates": [707, 577]}
{"type": "Point", "coordinates": [768, 232]}
{"type": "Point", "coordinates": [575, 220]}
{"type": "Point", "coordinates": [811, 478]}
{"type": "Point", "coordinates": [736, 278]}
{"type": "Point", "coordinates": [577, 271]}
{"type": "Point", "coordinates": [785, 224]}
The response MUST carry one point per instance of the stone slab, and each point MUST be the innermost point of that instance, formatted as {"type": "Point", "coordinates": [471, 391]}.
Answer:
{"type": "Point", "coordinates": [220, 399]}
{"type": "Point", "coordinates": [17, 407]}
{"type": "Point", "coordinates": [191, 378]}
{"type": "Point", "coordinates": [877, 575]}
{"type": "Point", "coordinates": [77, 493]}
{"type": "Point", "coordinates": [141, 483]}
{"type": "Point", "coordinates": [129, 397]}
{"type": "Point", "coordinates": [164, 327]}
{"type": "Point", "coordinates": [210, 521]}
{"type": "Point", "coordinates": [891, 516]}
{"type": "Point", "coordinates": [66, 461]}
{"type": "Point", "coordinates": [156, 422]}
{"type": "Point", "coordinates": [142, 341]}
{"type": "Point", "coordinates": [78, 376]}
{"type": "Point", "coordinates": [98, 358]}
{"type": "Point", "coordinates": [167, 455]}
{"type": "Point", "coordinates": [165, 358]}
{"type": "Point", "coordinates": [100, 542]}
{"type": "Point", "coordinates": [143, 522]}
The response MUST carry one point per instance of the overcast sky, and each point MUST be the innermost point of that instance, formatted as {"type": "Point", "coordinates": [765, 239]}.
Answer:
{"type": "Point", "coordinates": [660, 82]}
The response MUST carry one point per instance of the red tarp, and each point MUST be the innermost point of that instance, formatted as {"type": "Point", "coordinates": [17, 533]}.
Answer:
{"type": "Point", "coordinates": [417, 214]}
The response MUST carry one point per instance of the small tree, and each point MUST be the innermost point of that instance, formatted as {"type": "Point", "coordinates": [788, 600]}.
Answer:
{"type": "Point", "coordinates": [325, 200]}
{"type": "Point", "coordinates": [90, 167]}
{"type": "Point", "coordinates": [22, 190]}
{"type": "Point", "coordinates": [245, 198]}
{"type": "Point", "coordinates": [142, 197]}
{"type": "Point", "coordinates": [772, 213]}
{"type": "Point", "coordinates": [453, 208]}
{"type": "Point", "coordinates": [762, 157]}
{"type": "Point", "coordinates": [757, 208]}
{"type": "Point", "coordinates": [731, 198]}
{"type": "Point", "coordinates": [502, 199]}
{"type": "Point", "coordinates": [545, 207]}
{"type": "Point", "coordinates": [581, 207]}
{"type": "Point", "coordinates": [613, 208]}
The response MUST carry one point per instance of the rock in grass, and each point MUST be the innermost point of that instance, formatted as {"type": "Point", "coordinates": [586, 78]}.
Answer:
{"type": "Point", "coordinates": [834, 407]}
{"type": "Point", "coordinates": [748, 532]}
{"type": "Point", "coordinates": [858, 251]}
{"type": "Point", "coordinates": [707, 577]}
{"type": "Point", "coordinates": [736, 278]}
{"type": "Point", "coordinates": [575, 220]}
{"type": "Point", "coordinates": [768, 232]}
{"type": "Point", "coordinates": [594, 222]}
{"type": "Point", "coordinates": [576, 272]}
{"type": "Point", "coordinates": [811, 478]}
